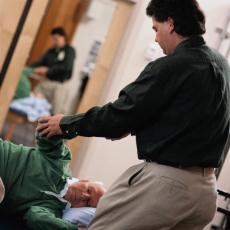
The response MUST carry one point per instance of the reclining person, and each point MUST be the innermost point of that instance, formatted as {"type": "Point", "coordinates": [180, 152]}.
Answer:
{"type": "Point", "coordinates": [38, 184]}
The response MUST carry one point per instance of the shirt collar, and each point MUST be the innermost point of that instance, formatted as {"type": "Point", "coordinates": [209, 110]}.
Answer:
{"type": "Point", "coordinates": [61, 48]}
{"type": "Point", "coordinates": [68, 183]}
{"type": "Point", "coordinates": [63, 192]}
{"type": "Point", "coordinates": [191, 42]}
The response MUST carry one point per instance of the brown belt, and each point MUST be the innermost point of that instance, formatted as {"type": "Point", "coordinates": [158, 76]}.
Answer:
{"type": "Point", "coordinates": [205, 171]}
{"type": "Point", "coordinates": [201, 170]}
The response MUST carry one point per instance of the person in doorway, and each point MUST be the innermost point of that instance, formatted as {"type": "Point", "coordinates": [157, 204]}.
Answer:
{"type": "Point", "coordinates": [54, 68]}
{"type": "Point", "coordinates": [178, 109]}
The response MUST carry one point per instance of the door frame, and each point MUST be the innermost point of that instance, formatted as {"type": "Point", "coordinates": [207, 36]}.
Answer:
{"type": "Point", "coordinates": [104, 64]}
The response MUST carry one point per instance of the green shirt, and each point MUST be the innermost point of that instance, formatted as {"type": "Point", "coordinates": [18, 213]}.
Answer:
{"type": "Point", "coordinates": [24, 86]}
{"type": "Point", "coordinates": [27, 173]}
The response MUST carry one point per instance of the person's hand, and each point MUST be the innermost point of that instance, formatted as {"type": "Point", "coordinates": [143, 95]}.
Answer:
{"type": "Point", "coordinates": [119, 138]}
{"type": "Point", "coordinates": [49, 126]}
{"type": "Point", "coordinates": [43, 70]}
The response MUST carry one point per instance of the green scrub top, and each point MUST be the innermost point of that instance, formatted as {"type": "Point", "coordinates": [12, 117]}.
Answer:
{"type": "Point", "coordinates": [28, 172]}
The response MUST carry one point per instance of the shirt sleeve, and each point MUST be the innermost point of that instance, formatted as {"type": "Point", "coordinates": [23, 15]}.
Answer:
{"type": "Point", "coordinates": [41, 61]}
{"type": "Point", "coordinates": [40, 218]}
{"type": "Point", "coordinates": [137, 105]}
{"type": "Point", "coordinates": [53, 147]}
{"type": "Point", "coordinates": [63, 68]}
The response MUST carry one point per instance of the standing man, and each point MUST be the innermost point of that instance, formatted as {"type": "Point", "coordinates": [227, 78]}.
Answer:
{"type": "Point", "coordinates": [178, 109]}
{"type": "Point", "coordinates": [54, 67]}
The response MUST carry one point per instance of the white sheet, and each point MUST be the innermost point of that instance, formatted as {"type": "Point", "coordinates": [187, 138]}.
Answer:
{"type": "Point", "coordinates": [33, 107]}
{"type": "Point", "coordinates": [79, 216]}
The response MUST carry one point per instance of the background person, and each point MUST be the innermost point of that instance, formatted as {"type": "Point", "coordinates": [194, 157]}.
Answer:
{"type": "Point", "coordinates": [54, 68]}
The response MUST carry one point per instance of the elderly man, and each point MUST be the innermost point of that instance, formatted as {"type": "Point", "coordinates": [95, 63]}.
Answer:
{"type": "Point", "coordinates": [2, 190]}
{"type": "Point", "coordinates": [38, 184]}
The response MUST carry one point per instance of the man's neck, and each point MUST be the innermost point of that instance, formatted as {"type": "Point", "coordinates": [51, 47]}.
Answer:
{"type": "Point", "coordinates": [181, 39]}
{"type": "Point", "coordinates": [177, 41]}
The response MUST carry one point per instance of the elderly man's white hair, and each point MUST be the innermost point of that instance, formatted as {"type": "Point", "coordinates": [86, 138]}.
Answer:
{"type": "Point", "coordinates": [2, 190]}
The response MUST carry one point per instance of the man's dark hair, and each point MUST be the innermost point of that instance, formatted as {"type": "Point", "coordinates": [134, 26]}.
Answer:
{"type": "Point", "coordinates": [188, 18]}
{"type": "Point", "coordinates": [58, 31]}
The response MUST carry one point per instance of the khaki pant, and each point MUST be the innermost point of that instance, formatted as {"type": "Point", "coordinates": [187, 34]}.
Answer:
{"type": "Point", "coordinates": [54, 92]}
{"type": "Point", "coordinates": [2, 190]}
{"type": "Point", "coordinates": [151, 196]}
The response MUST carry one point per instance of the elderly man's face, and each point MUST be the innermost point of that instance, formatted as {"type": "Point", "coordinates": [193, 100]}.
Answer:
{"type": "Point", "coordinates": [84, 194]}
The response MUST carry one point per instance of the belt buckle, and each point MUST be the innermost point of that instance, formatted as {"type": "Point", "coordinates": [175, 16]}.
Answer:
{"type": "Point", "coordinates": [207, 171]}
{"type": "Point", "coordinates": [180, 167]}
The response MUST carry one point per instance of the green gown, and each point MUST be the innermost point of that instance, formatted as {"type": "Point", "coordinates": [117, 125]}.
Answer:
{"type": "Point", "coordinates": [27, 173]}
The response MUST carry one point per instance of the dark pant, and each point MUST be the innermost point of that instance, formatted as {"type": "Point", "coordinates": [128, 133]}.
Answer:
{"type": "Point", "coordinates": [12, 223]}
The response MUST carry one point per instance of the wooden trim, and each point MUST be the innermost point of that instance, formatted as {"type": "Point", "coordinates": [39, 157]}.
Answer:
{"type": "Point", "coordinates": [14, 41]}
{"type": "Point", "coordinates": [104, 63]}
{"type": "Point", "coordinates": [20, 56]}
{"type": "Point", "coordinates": [64, 13]}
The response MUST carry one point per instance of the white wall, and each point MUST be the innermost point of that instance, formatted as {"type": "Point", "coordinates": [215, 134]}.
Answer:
{"type": "Point", "coordinates": [101, 159]}
{"type": "Point", "coordinates": [94, 26]}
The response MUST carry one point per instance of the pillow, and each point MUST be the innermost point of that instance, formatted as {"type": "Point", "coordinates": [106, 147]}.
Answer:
{"type": "Point", "coordinates": [2, 190]}
{"type": "Point", "coordinates": [79, 216]}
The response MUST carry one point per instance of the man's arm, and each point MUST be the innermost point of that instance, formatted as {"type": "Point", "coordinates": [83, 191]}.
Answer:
{"type": "Point", "coordinates": [41, 61]}
{"type": "Point", "coordinates": [53, 147]}
{"type": "Point", "coordinates": [138, 104]}
{"type": "Point", "coordinates": [40, 218]}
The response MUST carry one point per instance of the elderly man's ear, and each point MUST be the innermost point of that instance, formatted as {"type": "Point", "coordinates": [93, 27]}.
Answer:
{"type": "Point", "coordinates": [2, 190]}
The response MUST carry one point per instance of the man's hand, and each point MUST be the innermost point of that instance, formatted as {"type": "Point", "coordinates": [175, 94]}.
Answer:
{"type": "Point", "coordinates": [43, 70]}
{"type": "Point", "coordinates": [49, 126]}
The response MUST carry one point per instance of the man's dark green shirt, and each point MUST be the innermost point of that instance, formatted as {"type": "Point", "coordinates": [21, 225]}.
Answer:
{"type": "Point", "coordinates": [178, 108]}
